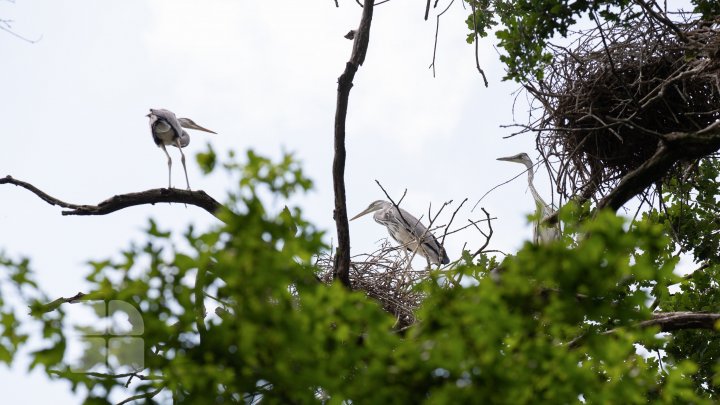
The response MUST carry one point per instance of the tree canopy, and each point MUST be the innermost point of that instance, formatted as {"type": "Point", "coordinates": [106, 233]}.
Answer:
{"type": "Point", "coordinates": [254, 309]}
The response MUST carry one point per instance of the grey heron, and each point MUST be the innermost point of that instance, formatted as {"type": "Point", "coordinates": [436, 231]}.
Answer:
{"type": "Point", "coordinates": [542, 233]}
{"type": "Point", "coordinates": [167, 129]}
{"type": "Point", "coordinates": [407, 230]}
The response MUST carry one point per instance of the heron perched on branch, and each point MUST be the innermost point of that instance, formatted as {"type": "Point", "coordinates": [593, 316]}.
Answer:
{"type": "Point", "coordinates": [542, 232]}
{"type": "Point", "coordinates": [167, 129]}
{"type": "Point", "coordinates": [407, 230]}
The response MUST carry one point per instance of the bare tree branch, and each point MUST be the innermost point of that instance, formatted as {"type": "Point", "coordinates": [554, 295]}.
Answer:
{"type": "Point", "coordinates": [105, 376]}
{"type": "Point", "coordinates": [663, 19]}
{"type": "Point", "coordinates": [6, 25]}
{"type": "Point", "coordinates": [477, 39]}
{"type": "Point", "coordinates": [672, 321]}
{"type": "Point", "coordinates": [487, 236]}
{"type": "Point", "coordinates": [341, 268]}
{"type": "Point", "coordinates": [146, 396]}
{"type": "Point", "coordinates": [668, 322]}
{"type": "Point", "coordinates": [115, 203]}
{"type": "Point", "coordinates": [452, 218]}
{"type": "Point", "coordinates": [437, 30]}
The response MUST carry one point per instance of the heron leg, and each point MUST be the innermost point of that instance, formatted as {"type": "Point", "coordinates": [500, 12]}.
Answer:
{"type": "Point", "coordinates": [162, 145]}
{"type": "Point", "coordinates": [182, 159]}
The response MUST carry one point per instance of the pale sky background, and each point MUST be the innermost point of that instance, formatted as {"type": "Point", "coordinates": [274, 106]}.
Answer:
{"type": "Point", "coordinates": [264, 76]}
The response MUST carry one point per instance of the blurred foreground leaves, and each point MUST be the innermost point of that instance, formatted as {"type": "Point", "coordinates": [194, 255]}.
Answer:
{"type": "Point", "coordinates": [236, 314]}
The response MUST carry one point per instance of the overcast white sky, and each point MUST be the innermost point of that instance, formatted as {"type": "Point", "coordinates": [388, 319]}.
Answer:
{"type": "Point", "coordinates": [263, 75]}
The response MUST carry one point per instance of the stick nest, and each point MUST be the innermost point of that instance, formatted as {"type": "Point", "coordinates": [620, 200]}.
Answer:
{"type": "Point", "coordinates": [385, 276]}
{"type": "Point", "coordinates": [608, 99]}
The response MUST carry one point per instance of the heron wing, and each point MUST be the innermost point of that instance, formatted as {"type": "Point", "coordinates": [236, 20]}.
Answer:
{"type": "Point", "coordinates": [409, 231]}
{"type": "Point", "coordinates": [169, 117]}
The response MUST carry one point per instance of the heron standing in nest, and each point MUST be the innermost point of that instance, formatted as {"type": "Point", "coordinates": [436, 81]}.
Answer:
{"type": "Point", "coordinates": [407, 230]}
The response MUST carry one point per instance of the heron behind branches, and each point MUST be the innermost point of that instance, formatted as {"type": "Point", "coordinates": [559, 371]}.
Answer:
{"type": "Point", "coordinates": [407, 230]}
{"type": "Point", "coordinates": [542, 232]}
{"type": "Point", "coordinates": [168, 130]}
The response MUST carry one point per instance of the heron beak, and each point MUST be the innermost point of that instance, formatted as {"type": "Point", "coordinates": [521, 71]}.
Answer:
{"type": "Point", "coordinates": [506, 159]}
{"type": "Point", "coordinates": [367, 211]}
{"type": "Point", "coordinates": [199, 128]}
{"type": "Point", "coordinates": [190, 124]}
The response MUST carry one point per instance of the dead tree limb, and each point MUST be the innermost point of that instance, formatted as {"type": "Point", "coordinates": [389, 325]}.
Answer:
{"type": "Point", "coordinates": [672, 321]}
{"type": "Point", "coordinates": [115, 203]}
{"type": "Point", "coordinates": [668, 322]}
{"type": "Point", "coordinates": [341, 268]}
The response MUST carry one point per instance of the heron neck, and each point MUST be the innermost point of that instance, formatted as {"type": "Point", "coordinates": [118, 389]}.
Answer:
{"type": "Point", "coordinates": [540, 202]}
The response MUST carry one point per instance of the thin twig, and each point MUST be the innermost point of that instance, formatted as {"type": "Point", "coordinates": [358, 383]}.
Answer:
{"type": "Point", "coordinates": [477, 39]}
{"type": "Point", "coordinates": [437, 30]}
{"type": "Point", "coordinates": [5, 26]}
{"type": "Point", "coordinates": [447, 227]}
{"type": "Point", "coordinates": [146, 396]}
{"type": "Point", "coordinates": [487, 237]}
{"type": "Point", "coordinates": [471, 223]}
{"type": "Point", "coordinates": [500, 185]}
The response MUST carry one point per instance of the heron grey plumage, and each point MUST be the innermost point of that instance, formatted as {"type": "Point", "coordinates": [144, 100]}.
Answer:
{"type": "Point", "coordinates": [167, 129]}
{"type": "Point", "coordinates": [407, 230]}
{"type": "Point", "coordinates": [542, 232]}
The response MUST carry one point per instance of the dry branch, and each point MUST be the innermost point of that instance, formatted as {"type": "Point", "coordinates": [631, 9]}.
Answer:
{"type": "Point", "coordinates": [159, 195]}
{"type": "Point", "coordinates": [341, 268]}
{"type": "Point", "coordinates": [668, 322]}
{"type": "Point", "coordinates": [672, 321]}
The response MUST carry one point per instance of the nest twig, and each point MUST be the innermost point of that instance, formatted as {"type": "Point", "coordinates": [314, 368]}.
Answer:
{"type": "Point", "coordinates": [385, 276]}
{"type": "Point", "coordinates": [609, 98]}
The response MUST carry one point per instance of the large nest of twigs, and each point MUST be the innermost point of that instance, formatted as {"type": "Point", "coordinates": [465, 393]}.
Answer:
{"type": "Point", "coordinates": [386, 276]}
{"type": "Point", "coordinates": [608, 98]}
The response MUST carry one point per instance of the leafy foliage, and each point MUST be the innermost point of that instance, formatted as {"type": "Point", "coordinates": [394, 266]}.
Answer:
{"type": "Point", "coordinates": [690, 210]}
{"type": "Point", "coordinates": [528, 25]}
{"type": "Point", "coordinates": [236, 314]}
{"type": "Point", "coordinates": [17, 289]}
{"type": "Point", "coordinates": [691, 216]}
{"type": "Point", "coordinates": [708, 8]}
